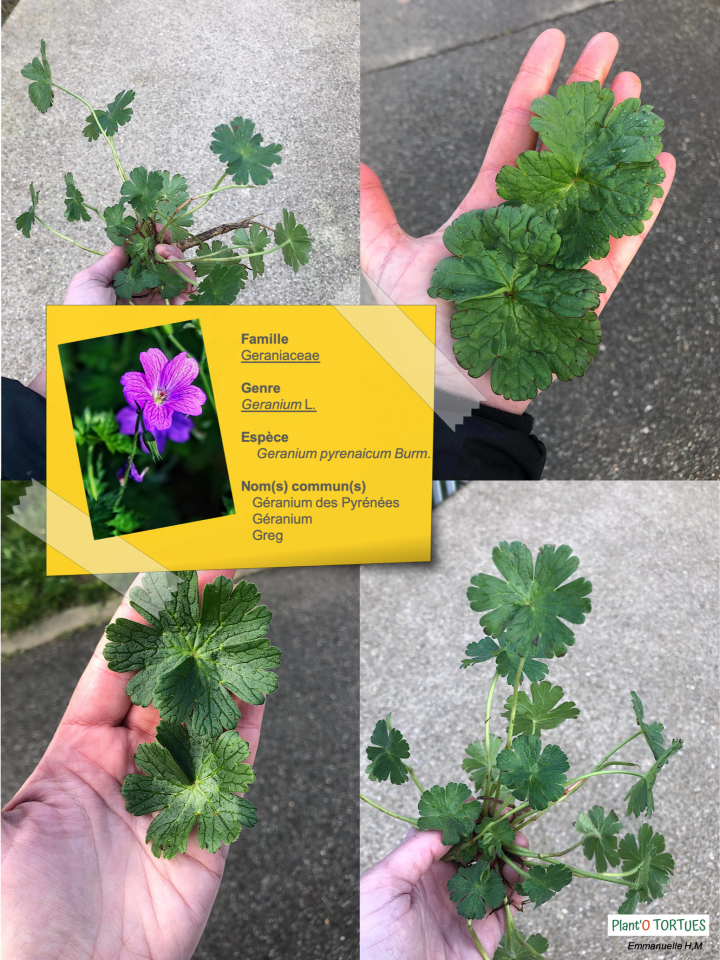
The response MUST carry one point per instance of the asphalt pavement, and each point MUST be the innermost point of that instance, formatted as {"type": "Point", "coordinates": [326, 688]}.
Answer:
{"type": "Point", "coordinates": [436, 74]}
{"type": "Point", "coordinates": [291, 68]}
{"type": "Point", "coordinates": [651, 553]}
{"type": "Point", "coordinates": [290, 884]}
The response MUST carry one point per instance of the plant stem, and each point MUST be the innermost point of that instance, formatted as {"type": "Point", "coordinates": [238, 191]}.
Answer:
{"type": "Point", "coordinates": [515, 867]}
{"type": "Point", "coordinates": [95, 210]}
{"type": "Point", "coordinates": [488, 751]}
{"type": "Point", "coordinates": [518, 675]}
{"type": "Point", "coordinates": [69, 239]}
{"type": "Point", "coordinates": [523, 943]}
{"type": "Point", "coordinates": [606, 758]}
{"type": "Point", "coordinates": [476, 941]}
{"type": "Point", "coordinates": [100, 128]}
{"type": "Point", "coordinates": [398, 816]}
{"type": "Point", "coordinates": [204, 376]}
{"type": "Point", "coordinates": [129, 463]}
{"type": "Point", "coordinates": [175, 342]}
{"type": "Point", "coordinates": [415, 779]}
{"type": "Point", "coordinates": [170, 263]}
{"type": "Point", "coordinates": [578, 782]}
{"type": "Point", "coordinates": [563, 852]}
{"type": "Point", "coordinates": [91, 473]}
{"type": "Point", "coordinates": [215, 259]}
{"type": "Point", "coordinates": [508, 924]}
{"type": "Point", "coordinates": [610, 877]}
{"type": "Point", "coordinates": [208, 195]}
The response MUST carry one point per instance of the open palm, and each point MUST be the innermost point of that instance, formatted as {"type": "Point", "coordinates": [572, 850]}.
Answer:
{"type": "Point", "coordinates": [406, 912]}
{"type": "Point", "coordinates": [78, 878]}
{"type": "Point", "coordinates": [399, 267]}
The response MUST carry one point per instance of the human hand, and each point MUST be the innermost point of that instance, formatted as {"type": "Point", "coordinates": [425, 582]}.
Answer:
{"type": "Point", "coordinates": [399, 267]}
{"type": "Point", "coordinates": [93, 286]}
{"type": "Point", "coordinates": [406, 910]}
{"type": "Point", "coordinates": [78, 878]}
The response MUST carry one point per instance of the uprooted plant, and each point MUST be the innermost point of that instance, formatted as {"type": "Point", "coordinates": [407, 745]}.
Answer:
{"type": "Point", "coordinates": [161, 211]}
{"type": "Point", "coordinates": [516, 779]}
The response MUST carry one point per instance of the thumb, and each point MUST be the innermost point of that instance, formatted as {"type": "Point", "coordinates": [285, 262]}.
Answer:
{"type": "Point", "coordinates": [409, 862]}
{"type": "Point", "coordinates": [379, 229]}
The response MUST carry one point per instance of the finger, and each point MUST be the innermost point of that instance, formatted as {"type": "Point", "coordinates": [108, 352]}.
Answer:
{"type": "Point", "coordinates": [596, 59]}
{"type": "Point", "coordinates": [513, 133]}
{"type": "Point", "coordinates": [104, 269]}
{"type": "Point", "coordinates": [622, 250]}
{"type": "Point", "coordinates": [379, 229]}
{"type": "Point", "coordinates": [100, 697]}
{"type": "Point", "coordinates": [251, 717]}
{"type": "Point", "coordinates": [626, 84]}
{"type": "Point", "coordinates": [409, 862]}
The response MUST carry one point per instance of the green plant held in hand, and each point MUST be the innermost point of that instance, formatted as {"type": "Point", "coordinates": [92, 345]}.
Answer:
{"type": "Point", "coordinates": [188, 656]}
{"type": "Point", "coordinates": [518, 778]}
{"type": "Point", "coordinates": [160, 208]}
{"type": "Point", "coordinates": [526, 307]}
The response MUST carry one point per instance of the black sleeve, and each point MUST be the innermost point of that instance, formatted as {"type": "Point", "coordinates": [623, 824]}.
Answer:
{"type": "Point", "coordinates": [488, 445]}
{"type": "Point", "coordinates": [23, 432]}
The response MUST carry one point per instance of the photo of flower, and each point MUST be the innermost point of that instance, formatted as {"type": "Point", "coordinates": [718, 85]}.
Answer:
{"type": "Point", "coordinates": [146, 429]}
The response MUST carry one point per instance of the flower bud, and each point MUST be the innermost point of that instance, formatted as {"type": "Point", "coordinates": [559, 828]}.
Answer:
{"type": "Point", "coordinates": [149, 440]}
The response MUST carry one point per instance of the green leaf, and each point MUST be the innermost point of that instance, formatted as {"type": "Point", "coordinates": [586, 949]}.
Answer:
{"type": "Point", "coordinates": [101, 426]}
{"type": "Point", "coordinates": [507, 661]}
{"type": "Point", "coordinates": [118, 227]}
{"type": "Point", "coordinates": [118, 113]}
{"type": "Point", "coordinates": [476, 762]}
{"type": "Point", "coordinates": [497, 833]}
{"type": "Point", "coordinates": [297, 251]}
{"type": "Point", "coordinates": [646, 855]}
{"type": "Point", "coordinates": [133, 280]}
{"type": "Point", "coordinates": [143, 190]}
{"type": "Point", "coordinates": [253, 242]}
{"type": "Point", "coordinates": [25, 221]}
{"type": "Point", "coordinates": [40, 90]}
{"type": "Point", "coordinates": [216, 249]}
{"type": "Point", "coordinates": [74, 208]}
{"type": "Point", "coordinates": [444, 808]}
{"type": "Point", "coordinates": [542, 883]}
{"type": "Point", "coordinates": [174, 195]}
{"type": "Point", "coordinates": [189, 657]}
{"type": "Point", "coordinates": [170, 284]}
{"type": "Point", "coordinates": [517, 312]}
{"type": "Point", "coordinates": [531, 775]}
{"type": "Point", "coordinates": [630, 903]}
{"type": "Point", "coordinates": [540, 713]}
{"type": "Point", "coordinates": [241, 149]}
{"type": "Point", "coordinates": [653, 732]}
{"type": "Point", "coordinates": [640, 796]}
{"type": "Point", "coordinates": [191, 779]}
{"type": "Point", "coordinates": [600, 173]}
{"type": "Point", "coordinates": [125, 521]}
{"type": "Point", "coordinates": [475, 890]}
{"type": "Point", "coordinates": [387, 755]}
{"type": "Point", "coordinates": [599, 840]}
{"type": "Point", "coordinates": [528, 604]}
{"type": "Point", "coordinates": [518, 952]}
{"type": "Point", "coordinates": [223, 283]}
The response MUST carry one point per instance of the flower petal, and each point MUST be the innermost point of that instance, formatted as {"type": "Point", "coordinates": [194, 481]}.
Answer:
{"type": "Point", "coordinates": [126, 420]}
{"type": "Point", "coordinates": [179, 373]}
{"type": "Point", "coordinates": [157, 417]}
{"type": "Point", "coordinates": [153, 363]}
{"type": "Point", "coordinates": [187, 400]}
{"type": "Point", "coordinates": [135, 388]}
{"type": "Point", "coordinates": [180, 428]}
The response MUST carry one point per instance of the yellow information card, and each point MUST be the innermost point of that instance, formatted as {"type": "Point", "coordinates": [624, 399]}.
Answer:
{"type": "Point", "coordinates": [326, 422]}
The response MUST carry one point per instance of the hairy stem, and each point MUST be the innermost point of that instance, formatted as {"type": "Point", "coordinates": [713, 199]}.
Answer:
{"type": "Point", "coordinates": [415, 779]}
{"type": "Point", "coordinates": [129, 463]}
{"type": "Point", "coordinates": [508, 924]}
{"type": "Point", "coordinates": [210, 194]}
{"type": "Point", "coordinates": [515, 867]}
{"type": "Point", "coordinates": [216, 259]}
{"type": "Point", "coordinates": [488, 751]}
{"type": "Point", "coordinates": [563, 852]}
{"type": "Point", "coordinates": [476, 940]}
{"type": "Point", "coordinates": [607, 757]}
{"type": "Point", "coordinates": [170, 263]}
{"type": "Point", "coordinates": [69, 239]}
{"type": "Point", "coordinates": [398, 816]}
{"type": "Point", "coordinates": [110, 143]}
{"type": "Point", "coordinates": [516, 687]}
{"type": "Point", "coordinates": [609, 877]}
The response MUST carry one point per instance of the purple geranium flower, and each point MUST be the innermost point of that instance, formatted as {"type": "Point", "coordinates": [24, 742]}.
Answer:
{"type": "Point", "coordinates": [133, 475]}
{"type": "Point", "coordinates": [164, 387]}
{"type": "Point", "coordinates": [179, 430]}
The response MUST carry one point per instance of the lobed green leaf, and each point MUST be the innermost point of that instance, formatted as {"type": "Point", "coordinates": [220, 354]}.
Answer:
{"type": "Point", "coordinates": [241, 149]}
{"type": "Point", "coordinates": [446, 809]}
{"type": "Point", "coordinates": [40, 90]}
{"type": "Point", "coordinates": [475, 890]}
{"type": "Point", "coordinates": [387, 753]}
{"type": "Point", "coordinates": [541, 712]}
{"type": "Point", "coordinates": [531, 775]}
{"type": "Point", "coordinates": [542, 883]}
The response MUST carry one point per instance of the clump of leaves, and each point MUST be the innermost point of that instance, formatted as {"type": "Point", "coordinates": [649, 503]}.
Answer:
{"type": "Point", "coordinates": [526, 306]}
{"type": "Point", "coordinates": [156, 206]}
{"type": "Point", "coordinates": [188, 655]}
{"type": "Point", "coordinates": [519, 778]}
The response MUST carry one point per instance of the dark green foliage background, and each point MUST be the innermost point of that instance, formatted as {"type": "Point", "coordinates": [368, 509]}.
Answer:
{"type": "Point", "coordinates": [189, 483]}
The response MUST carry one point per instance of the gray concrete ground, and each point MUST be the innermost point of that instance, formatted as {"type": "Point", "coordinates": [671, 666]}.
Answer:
{"type": "Point", "coordinates": [291, 68]}
{"type": "Point", "coordinates": [651, 553]}
{"type": "Point", "coordinates": [290, 885]}
{"type": "Point", "coordinates": [648, 406]}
